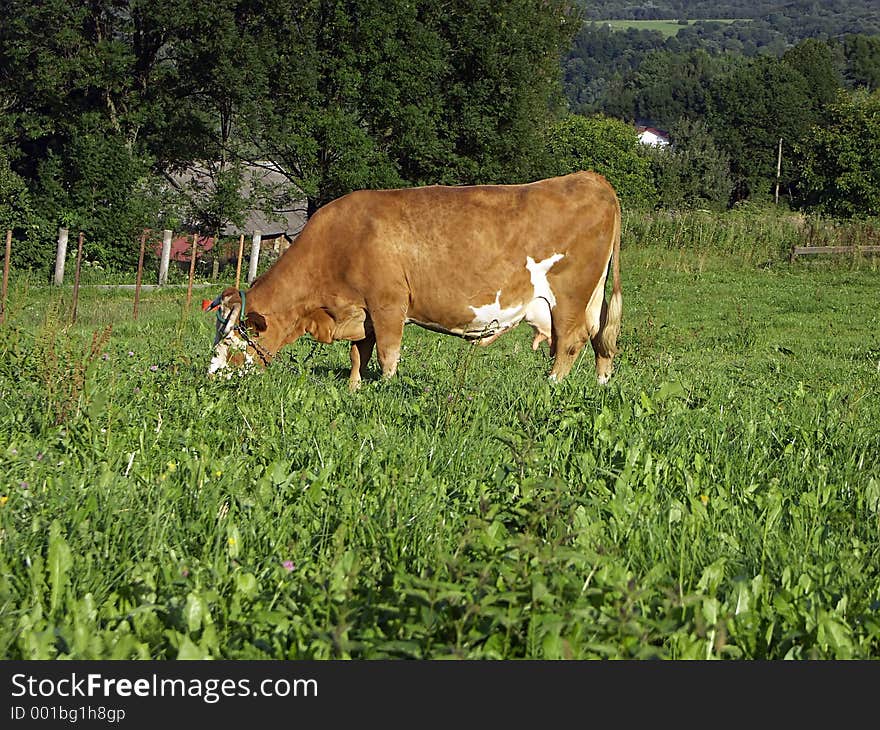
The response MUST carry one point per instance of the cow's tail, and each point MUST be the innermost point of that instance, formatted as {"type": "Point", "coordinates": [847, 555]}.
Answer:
{"type": "Point", "coordinates": [610, 325]}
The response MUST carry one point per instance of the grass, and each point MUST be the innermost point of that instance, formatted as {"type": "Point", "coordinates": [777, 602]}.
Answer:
{"type": "Point", "coordinates": [720, 499]}
{"type": "Point", "coordinates": [667, 27]}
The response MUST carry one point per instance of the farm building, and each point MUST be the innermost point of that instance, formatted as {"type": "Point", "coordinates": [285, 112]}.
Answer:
{"type": "Point", "coordinates": [652, 136]}
{"type": "Point", "coordinates": [277, 212]}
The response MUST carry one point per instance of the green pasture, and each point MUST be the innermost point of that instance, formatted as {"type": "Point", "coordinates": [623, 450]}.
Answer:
{"type": "Point", "coordinates": [719, 499]}
{"type": "Point", "coordinates": [666, 27]}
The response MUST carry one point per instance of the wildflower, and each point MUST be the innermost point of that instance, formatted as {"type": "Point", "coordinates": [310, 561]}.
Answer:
{"type": "Point", "coordinates": [218, 474]}
{"type": "Point", "coordinates": [704, 498]}
{"type": "Point", "coordinates": [105, 356]}
{"type": "Point", "coordinates": [231, 542]}
{"type": "Point", "coordinates": [288, 565]}
{"type": "Point", "coordinates": [24, 485]}
{"type": "Point", "coordinates": [13, 451]}
{"type": "Point", "coordinates": [172, 466]}
{"type": "Point", "coordinates": [4, 499]}
{"type": "Point", "coordinates": [130, 353]}
{"type": "Point", "coordinates": [185, 572]}
{"type": "Point", "coordinates": [137, 389]}
{"type": "Point", "coordinates": [39, 457]}
{"type": "Point", "coordinates": [153, 368]}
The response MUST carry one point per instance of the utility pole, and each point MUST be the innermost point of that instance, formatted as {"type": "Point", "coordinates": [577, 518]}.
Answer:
{"type": "Point", "coordinates": [778, 170]}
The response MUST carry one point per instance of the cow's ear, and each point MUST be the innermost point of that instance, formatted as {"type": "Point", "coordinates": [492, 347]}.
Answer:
{"type": "Point", "coordinates": [255, 321]}
{"type": "Point", "coordinates": [230, 297]}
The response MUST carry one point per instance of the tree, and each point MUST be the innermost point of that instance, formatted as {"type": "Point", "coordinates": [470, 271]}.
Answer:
{"type": "Point", "coordinates": [840, 163]}
{"type": "Point", "coordinates": [607, 146]}
{"type": "Point", "coordinates": [862, 55]}
{"type": "Point", "coordinates": [814, 60]}
{"type": "Point", "coordinates": [751, 108]}
{"type": "Point", "coordinates": [86, 80]}
{"type": "Point", "coordinates": [693, 172]}
{"type": "Point", "coordinates": [381, 93]}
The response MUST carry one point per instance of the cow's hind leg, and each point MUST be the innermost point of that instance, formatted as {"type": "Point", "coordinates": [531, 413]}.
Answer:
{"type": "Point", "coordinates": [388, 328]}
{"type": "Point", "coordinates": [570, 334]}
{"type": "Point", "coordinates": [361, 352]}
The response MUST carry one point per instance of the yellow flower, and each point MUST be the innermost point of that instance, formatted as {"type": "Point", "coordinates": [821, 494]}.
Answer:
{"type": "Point", "coordinates": [704, 499]}
{"type": "Point", "coordinates": [172, 466]}
{"type": "Point", "coordinates": [218, 473]}
{"type": "Point", "coordinates": [3, 500]}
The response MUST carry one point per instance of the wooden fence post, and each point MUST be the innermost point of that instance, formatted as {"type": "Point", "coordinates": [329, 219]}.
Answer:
{"type": "Point", "coordinates": [166, 257]}
{"type": "Point", "coordinates": [238, 260]}
{"type": "Point", "coordinates": [778, 172]}
{"type": "Point", "coordinates": [5, 276]}
{"type": "Point", "coordinates": [215, 259]}
{"type": "Point", "coordinates": [140, 274]}
{"type": "Point", "coordinates": [192, 271]}
{"type": "Point", "coordinates": [60, 255]}
{"type": "Point", "coordinates": [79, 253]}
{"type": "Point", "coordinates": [255, 256]}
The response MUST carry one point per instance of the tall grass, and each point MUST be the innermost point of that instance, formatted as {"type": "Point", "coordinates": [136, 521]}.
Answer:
{"type": "Point", "coordinates": [720, 499]}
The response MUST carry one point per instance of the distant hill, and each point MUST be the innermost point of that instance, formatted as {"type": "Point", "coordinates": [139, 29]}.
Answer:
{"type": "Point", "coordinates": [603, 54]}
{"type": "Point", "coordinates": [842, 11]}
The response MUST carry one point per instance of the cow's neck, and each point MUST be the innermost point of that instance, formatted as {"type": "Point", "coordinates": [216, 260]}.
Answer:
{"type": "Point", "coordinates": [281, 295]}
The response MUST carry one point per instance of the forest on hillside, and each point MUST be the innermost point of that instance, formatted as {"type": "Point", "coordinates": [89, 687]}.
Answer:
{"type": "Point", "coordinates": [832, 11]}
{"type": "Point", "coordinates": [103, 102]}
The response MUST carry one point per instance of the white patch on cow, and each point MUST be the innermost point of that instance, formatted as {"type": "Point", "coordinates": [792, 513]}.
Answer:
{"type": "Point", "coordinates": [220, 361]}
{"type": "Point", "coordinates": [538, 272]}
{"type": "Point", "coordinates": [493, 319]}
{"type": "Point", "coordinates": [594, 306]}
{"type": "Point", "coordinates": [538, 315]}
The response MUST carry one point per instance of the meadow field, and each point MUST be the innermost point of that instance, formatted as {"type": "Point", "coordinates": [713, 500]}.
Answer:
{"type": "Point", "coordinates": [720, 498]}
{"type": "Point", "coordinates": [667, 27]}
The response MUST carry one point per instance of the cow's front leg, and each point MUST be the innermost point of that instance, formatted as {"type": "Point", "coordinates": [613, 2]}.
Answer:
{"type": "Point", "coordinates": [388, 329]}
{"type": "Point", "coordinates": [361, 351]}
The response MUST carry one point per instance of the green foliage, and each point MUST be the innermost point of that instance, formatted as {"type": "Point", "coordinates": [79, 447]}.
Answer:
{"type": "Point", "coordinates": [862, 53]}
{"type": "Point", "coordinates": [607, 146]}
{"type": "Point", "coordinates": [384, 94]}
{"type": "Point", "coordinates": [752, 107]}
{"type": "Point", "coordinates": [96, 186]}
{"type": "Point", "coordinates": [840, 169]}
{"type": "Point", "coordinates": [693, 172]}
{"type": "Point", "coordinates": [718, 500]}
{"type": "Point", "coordinates": [15, 204]}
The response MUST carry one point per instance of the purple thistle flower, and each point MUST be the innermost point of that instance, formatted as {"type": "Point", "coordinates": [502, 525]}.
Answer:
{"type": "Point", "coordinates": [153, 368]}
{"type": "Point", "coordinates": [130, 353]}
{"type": "Point", "coordinates": [288, 565]}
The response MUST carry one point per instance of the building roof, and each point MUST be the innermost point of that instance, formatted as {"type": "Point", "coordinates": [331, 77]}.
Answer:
{"type": "Point", "coordinates": [280, 208]}
{"type": "Point", "coordinates": [652, 136]}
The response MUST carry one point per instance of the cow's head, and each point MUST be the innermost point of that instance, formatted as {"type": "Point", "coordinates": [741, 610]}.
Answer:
{"type": "Point", "coordinates": [235, 340]}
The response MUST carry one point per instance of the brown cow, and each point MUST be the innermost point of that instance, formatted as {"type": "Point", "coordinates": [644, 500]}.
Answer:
{"type": "Point", "coordinates": [471, 261]}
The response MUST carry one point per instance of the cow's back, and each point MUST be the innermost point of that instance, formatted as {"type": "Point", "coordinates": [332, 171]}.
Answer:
{"type": "Point", "coordinates": [447, 250]}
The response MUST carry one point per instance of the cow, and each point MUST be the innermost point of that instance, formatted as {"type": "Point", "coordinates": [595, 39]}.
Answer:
{"type": "Point", "coordinates": [472, 261]}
